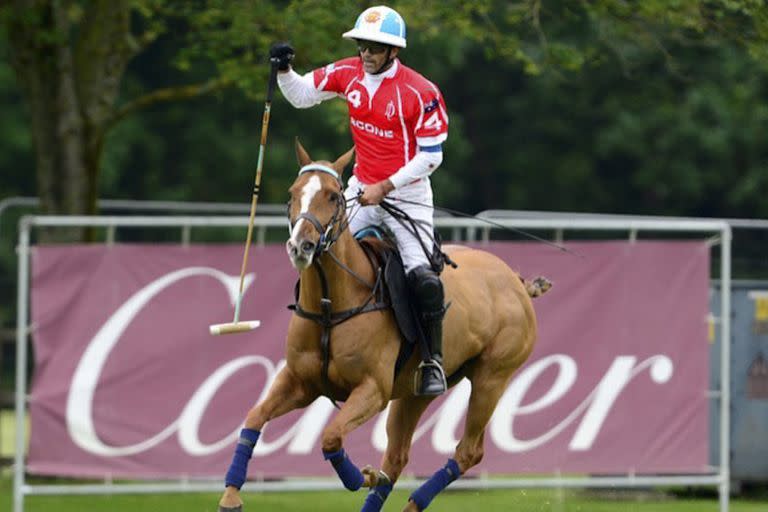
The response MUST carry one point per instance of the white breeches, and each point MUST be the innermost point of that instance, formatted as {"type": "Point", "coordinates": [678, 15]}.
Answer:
{"type": "Point", "coordinates": [420, 192]}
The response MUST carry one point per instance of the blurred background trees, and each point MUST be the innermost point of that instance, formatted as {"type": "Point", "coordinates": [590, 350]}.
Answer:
{"type": "Point", "coordinates": [641, 107]}
{"type": "Point", "coordinates": [653, 107]}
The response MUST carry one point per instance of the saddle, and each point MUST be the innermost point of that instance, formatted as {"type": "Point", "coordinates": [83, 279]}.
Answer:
{"type": "Point", "coordinates": [382, 249]}
{"type": "Point", "coordinates": [397, 294]}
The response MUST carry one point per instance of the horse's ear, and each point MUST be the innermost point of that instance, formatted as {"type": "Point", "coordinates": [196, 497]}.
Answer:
{"type": "Point", "coordinates": [301, 154]}
{"type": "Point", "coordinates": [343, 161]}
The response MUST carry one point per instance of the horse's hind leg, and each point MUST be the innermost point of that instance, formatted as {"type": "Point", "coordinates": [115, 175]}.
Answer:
{"type": "Point", "coordinates": [489, 381]}
{"type": "Point", "coordinates": [403, 418]}
{"type": "Point", "coordinates": [286, 394]}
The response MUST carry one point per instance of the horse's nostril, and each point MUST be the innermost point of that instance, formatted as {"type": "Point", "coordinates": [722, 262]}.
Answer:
{"type": "Point", "coordinates": [307, 247]}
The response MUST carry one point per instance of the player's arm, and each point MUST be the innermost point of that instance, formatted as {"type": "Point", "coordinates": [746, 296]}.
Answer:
{"type": "Point", "coordinates": [424, 163]}
{"type": "Point", "coordinates": [431, 130]}
{"type": "Point", "coordinates": [421, 165]}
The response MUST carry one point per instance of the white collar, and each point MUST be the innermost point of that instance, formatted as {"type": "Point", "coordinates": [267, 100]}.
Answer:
{"type": "Point", "coordinates": [381, 76]}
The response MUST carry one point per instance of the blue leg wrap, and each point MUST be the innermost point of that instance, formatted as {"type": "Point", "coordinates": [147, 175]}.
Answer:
{"type": "Point", "coordinates": [239, 467]}
{"type": "Point", "coordinates": [376, 498]}
{"type": "Point", "coordinates": [350, 476]}
{"type": "Point", "coordinates": [424, 495]}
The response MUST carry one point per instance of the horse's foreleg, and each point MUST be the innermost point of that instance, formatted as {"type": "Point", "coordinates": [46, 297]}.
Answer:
{"type": "Point", "coordinates": [286, 394]}
{"type": "Point", "coordinates": [403, 418]}
{"type": "Point", "coordinates": [363, 403]}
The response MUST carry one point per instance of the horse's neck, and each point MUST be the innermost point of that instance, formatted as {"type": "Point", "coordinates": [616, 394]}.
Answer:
{"type": "Point", "coordinates": [344, 290]}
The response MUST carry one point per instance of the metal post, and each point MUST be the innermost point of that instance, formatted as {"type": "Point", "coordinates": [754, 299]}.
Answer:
{"type": "Point", "coordinates": [186, 235]}
{"type": "Point", "coordinates": [110, 235]}
{"type": "Point", "coordinates": [21, 362]}
{"type": "Point", "coordinates": [261, 236]}
{"type": "Point", "coordinates": [725, 368]}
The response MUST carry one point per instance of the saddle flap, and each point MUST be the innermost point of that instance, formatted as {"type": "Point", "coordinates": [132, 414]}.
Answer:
{"type": "Point", "coordinates": [400, 297]}
{"type": "Point", "coordinates": [380, 244]}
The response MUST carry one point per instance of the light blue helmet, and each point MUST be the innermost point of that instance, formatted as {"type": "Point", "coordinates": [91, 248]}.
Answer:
{"type": "Point", "coordinates": [380, 24]}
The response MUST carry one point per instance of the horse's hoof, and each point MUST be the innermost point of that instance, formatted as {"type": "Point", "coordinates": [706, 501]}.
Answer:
{"type": "Point", "coordinates": [370, 476]}
{"type": "Point", "coordinates": [238, 508]}
{"type": "Point", "coordinates": [373, 478]}
{"type": "Point", "coordinates": [411, 507]}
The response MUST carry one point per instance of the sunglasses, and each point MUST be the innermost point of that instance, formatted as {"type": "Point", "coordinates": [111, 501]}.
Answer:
{"type": "Point", "coordinates": [372, 47]}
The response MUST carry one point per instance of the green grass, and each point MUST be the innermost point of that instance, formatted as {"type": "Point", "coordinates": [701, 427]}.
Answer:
{"type": "Point", "coordinates": [539, 500]}
{"type": "Point", "coordinates": [536, 500]}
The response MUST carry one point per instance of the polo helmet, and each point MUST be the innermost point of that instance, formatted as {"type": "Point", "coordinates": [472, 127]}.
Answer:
{"type": "Point", "coordinates": [380, 24]}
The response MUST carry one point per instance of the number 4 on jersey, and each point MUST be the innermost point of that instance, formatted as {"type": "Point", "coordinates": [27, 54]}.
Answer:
{"type": "Point", "coordinates": [434, 122]}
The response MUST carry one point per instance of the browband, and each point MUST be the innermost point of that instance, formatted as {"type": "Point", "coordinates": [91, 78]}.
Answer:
{"type": "Point", "coordinates": [321, 168]}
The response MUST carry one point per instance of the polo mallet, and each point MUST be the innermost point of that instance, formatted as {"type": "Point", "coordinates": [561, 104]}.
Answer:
{"type": "Point", "coordinates": [236, 325]}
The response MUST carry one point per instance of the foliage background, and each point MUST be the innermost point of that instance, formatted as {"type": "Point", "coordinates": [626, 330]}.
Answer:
{"type": "Point", "coordinates": [654, 107]}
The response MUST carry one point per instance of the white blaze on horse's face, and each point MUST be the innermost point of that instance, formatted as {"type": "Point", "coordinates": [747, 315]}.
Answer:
{"type": "Point", "coordinates": [299, 250]}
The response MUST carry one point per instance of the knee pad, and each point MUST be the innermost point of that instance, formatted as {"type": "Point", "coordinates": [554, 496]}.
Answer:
{"type": "Point", "coordinates": [427, 288]}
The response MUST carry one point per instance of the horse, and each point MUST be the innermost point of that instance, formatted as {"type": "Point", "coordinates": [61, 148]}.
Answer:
{"type": "Point", "coordinates": [490, 330]}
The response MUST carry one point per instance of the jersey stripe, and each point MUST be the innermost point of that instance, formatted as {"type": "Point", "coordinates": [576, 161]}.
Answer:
{"type": "Point", "coordinates": [406, 140]}
{"type": "Point", "coordinates": [321, 85]}
{"type": "Point", "coordinates": [421, 107]}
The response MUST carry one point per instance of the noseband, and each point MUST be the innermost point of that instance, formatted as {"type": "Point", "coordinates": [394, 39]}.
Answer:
{"type": "Point", "coordinates": [327, 238]}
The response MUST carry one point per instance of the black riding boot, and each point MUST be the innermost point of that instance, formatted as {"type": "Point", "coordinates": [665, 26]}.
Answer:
{"type": "Point", "coordinates": [428, 292]}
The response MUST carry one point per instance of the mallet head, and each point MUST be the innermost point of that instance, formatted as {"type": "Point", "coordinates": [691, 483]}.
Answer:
{"type": "Point", "coordinates": [233, 327]}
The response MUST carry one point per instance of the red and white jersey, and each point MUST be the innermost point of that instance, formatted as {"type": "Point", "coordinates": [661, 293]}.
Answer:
{"type": "Point", "coordinates": [404, 112]}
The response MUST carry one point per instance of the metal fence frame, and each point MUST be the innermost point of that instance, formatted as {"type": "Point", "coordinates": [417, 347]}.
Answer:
{"type": "Point", "coordinates": [720, 234]}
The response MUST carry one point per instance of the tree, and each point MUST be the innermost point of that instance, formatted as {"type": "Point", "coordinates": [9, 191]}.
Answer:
{"type": "Point", "coordinates": [70, 57]}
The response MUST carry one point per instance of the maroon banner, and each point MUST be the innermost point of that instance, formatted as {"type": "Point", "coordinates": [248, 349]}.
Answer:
{"type": "Point", "coordinates": [128, 382]}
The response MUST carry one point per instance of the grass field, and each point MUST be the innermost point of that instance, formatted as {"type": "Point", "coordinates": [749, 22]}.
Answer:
{"type": "Point", "coordinates": [537, 500]}
{"type": "Point", "coordinates": [450, 501]}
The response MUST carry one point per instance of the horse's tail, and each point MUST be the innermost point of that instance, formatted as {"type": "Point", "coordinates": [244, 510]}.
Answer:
{"type": "Point", "coordinates": [537, 286]}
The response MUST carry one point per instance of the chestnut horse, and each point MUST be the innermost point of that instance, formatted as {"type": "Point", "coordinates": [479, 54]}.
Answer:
{"type": "Point", "coordinates": [490, 330]}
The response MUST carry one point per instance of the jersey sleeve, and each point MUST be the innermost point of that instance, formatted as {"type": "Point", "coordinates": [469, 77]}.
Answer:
{"type": "Point", "coordinates": [335, 76]}
{"type": "Point", "coordinates": [432, 125]}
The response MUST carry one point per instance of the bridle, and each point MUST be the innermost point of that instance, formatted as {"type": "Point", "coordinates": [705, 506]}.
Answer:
{"type": "Point", "coordinates": [328, 235]}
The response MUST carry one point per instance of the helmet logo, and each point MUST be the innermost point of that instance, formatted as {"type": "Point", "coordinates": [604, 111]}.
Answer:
{"type": "Point", "coordinates": [372, 17]}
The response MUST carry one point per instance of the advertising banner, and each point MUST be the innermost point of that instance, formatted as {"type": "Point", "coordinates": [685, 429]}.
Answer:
{"type": "Point", "coordinates": [128, 382]}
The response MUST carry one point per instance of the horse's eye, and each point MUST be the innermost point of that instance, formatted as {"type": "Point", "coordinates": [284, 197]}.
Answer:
{"type": "Point", "coordinates": [333, 197]}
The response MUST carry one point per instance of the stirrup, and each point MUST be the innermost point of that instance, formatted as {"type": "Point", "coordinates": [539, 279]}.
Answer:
{"type": "Point", "coordinates": [419, 374]}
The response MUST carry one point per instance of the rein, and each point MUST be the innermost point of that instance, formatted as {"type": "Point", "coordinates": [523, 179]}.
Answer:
{"type": "Point", "coordinates": [494, 224]}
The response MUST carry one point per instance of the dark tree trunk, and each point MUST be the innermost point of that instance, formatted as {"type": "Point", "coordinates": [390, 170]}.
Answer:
{"type": "Point", "coordinates": [70, 85]}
